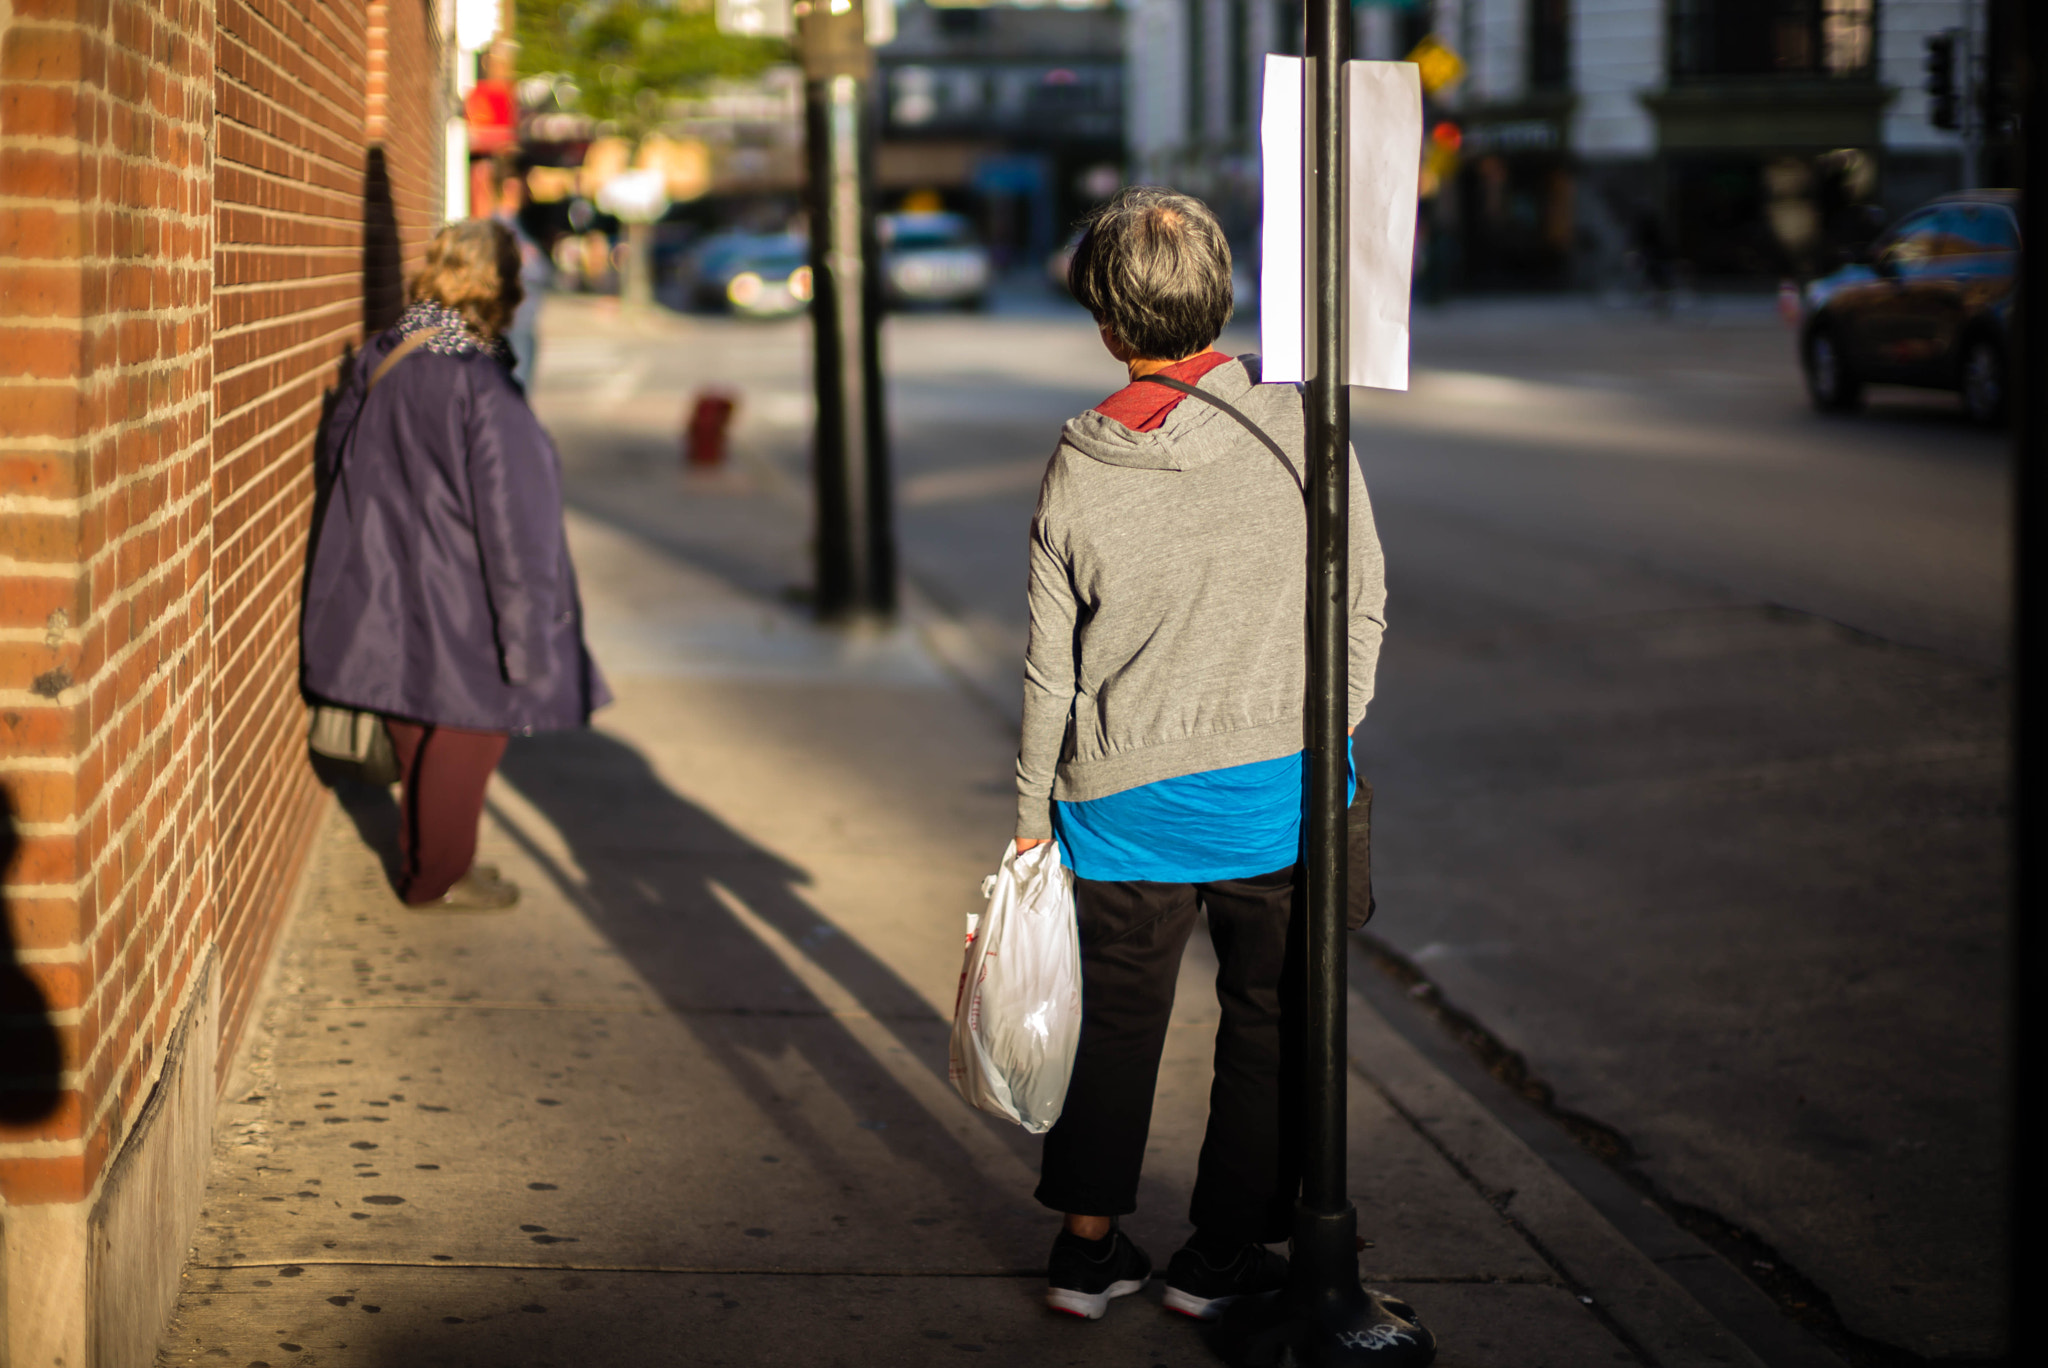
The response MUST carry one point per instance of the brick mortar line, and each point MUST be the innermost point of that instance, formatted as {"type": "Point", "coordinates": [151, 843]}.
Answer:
{"type": "Point", "coordinates": [69, 953]}
{"type": "Point", "coordinates": [337, 332]}
{"type": "Point", "coordinates": [106, 323]}
{"type": "Point", "coordinates": [221, 244]}
{"type": "Point", "coordinates": [102, 376]}
{"type": "Point", "coordinates": [75, 634]}
{"type": "Point", "coordinates": [33, 503]}
{"type": "Point", "coordinates": [68, 827]}
{"type": "Point", "coordinates": [343, 307]}
{"type": "Point", "coordinates": [224, 626]}
{"type": "Point", "coordinates": [140, 1040]}
{"type": "Point", "coordinates": [47, 890]}
{"type": "Point", "coordinates": [72, 636]}
{"type": "Point", "coordinates": [42, 1149]}
{"type": "Point", "coordinates": [279, 711]}
{"type": "Point", "coordinates": [258, 287]}
{"type": "Point", "coordinates": [133, 880]}
{"type": "Point", "coordinates": [165, 516]}
{"type": "Point", "coordinates": [271, 433]}
{"type": "Point", "coordinates": [267, 250]}
{"type": "Point", "coordinates": [313, 30]}
{"type": "Point", "coordinates": [353, 175]}
{"type": "Point", "coordinates": [302, 116]}
{"type": "Point", "coordinates": [319, 38]}
{"type": "Point", "coordinates": [317, 345]}
{"type": "Point", "coordinates": [112, 780]}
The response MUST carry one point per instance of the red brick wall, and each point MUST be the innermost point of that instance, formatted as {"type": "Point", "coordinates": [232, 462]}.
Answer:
{"type": "Point", "coordinates": [183, 214]}
{"type": "Point", "coordinates": [287, 288]}
{"type": "Point", "coordinates": [106, 243]}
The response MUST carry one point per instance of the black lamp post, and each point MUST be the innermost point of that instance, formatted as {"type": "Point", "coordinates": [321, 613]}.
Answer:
{"type": "Point", "coordinates": [1325, 1316]}
{"type": "Point", "coordinates": [855, 546]}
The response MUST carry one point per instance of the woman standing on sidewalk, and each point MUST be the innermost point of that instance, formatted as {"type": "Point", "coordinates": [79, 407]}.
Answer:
{"type": "Point", "coordinates": [1162, 746]}
{"type": "Point", "coordinates": [441, 593]}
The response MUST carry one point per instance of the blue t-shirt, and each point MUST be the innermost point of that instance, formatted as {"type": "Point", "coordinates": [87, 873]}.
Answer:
{"type": "Point", "coordinates": [1233, 823]}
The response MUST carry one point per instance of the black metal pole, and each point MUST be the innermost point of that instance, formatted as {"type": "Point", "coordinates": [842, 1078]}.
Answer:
{"type": "Point", "coordinates": [1324, 1200]}
{"type": "Point", "coordinates": [1325, 1316]}
{"type": "Point", "coordinates": [2027, 1263]}
{"type": "Point", "coordinates": [855, 556]}
{"type": "Point", "coordinates": [834, 460]}
{"type": "Point", "coordinates": [881, 494]}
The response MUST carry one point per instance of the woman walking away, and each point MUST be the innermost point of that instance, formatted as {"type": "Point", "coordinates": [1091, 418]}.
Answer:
{"type": "Point", "coordinates": [441, 593]}
{"type": "Point", "coordinates": [1162, 748]}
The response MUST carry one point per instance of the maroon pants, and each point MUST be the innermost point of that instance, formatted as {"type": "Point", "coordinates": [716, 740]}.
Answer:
{"type": "Point", "coordinates": [444, 771]}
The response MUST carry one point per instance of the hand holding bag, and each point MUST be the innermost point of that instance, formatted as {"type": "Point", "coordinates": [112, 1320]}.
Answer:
{"type": "Point", "coordinates": [1017, 1019]}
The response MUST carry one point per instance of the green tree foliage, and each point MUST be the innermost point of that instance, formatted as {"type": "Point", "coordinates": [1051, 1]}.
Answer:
{"type": "Point", "coordinates": [626, 56]}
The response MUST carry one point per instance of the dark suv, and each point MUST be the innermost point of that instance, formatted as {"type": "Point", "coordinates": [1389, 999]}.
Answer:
{"type": "Point", "coordinates": [1930, 303]}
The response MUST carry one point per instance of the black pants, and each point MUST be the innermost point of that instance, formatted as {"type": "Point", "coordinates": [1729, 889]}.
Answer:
{"type": "Point", "coordinates": [1132, 937]}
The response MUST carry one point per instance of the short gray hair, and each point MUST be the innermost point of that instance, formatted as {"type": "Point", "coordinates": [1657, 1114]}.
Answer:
{"type": "Point", "coordinates": [1153, 266]}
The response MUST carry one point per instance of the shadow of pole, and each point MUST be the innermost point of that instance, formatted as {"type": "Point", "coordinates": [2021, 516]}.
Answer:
{"type": "Point", "coordinates": [31, 1055]}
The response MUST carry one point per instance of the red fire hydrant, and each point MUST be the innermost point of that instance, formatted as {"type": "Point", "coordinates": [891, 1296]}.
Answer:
{"type": "Point", "coordinates": [704, 434]}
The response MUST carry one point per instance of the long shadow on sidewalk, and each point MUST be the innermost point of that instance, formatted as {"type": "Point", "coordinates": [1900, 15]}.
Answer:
{"type": "Point", "coordinates": [661, 874]}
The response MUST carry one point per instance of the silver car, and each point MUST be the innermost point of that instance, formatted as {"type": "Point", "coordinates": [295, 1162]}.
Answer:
{"type": "Point", "coordinates": [932, 259]}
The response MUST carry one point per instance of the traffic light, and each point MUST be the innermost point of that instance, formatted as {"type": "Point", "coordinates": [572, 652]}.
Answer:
{"type": "Point", "coordinates": [1941, 79]}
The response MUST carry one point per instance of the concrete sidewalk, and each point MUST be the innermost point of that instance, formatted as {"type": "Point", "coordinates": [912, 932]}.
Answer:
{"type": "Point", "coordinates": [687, 1104]}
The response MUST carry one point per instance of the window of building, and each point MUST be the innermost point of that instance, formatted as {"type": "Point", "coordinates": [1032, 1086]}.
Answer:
{"type": "Point", "coordinates": [1772, 37]}
{"type": "Point", "coordinates": [1550, 44]}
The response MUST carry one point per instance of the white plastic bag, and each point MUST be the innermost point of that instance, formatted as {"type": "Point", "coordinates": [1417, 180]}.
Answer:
{"type": "Point", "coordinates": [1018, 1016]}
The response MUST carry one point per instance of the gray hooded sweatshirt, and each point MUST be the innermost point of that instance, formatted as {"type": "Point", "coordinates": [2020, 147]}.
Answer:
{"type": "Point", "coordinates": [1169, 599]}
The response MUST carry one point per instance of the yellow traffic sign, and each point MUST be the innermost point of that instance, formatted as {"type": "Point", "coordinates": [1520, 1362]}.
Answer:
{"type": "Point", "coordinates": [1440, 65]}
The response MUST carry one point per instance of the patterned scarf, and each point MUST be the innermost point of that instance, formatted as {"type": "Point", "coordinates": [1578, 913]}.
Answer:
{"type": "Point", "coordinates": [456, 337]}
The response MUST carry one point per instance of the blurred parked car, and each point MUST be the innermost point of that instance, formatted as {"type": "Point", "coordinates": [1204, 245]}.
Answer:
{"type": "Point", "coordinates": [752, 274]}
{"type": "Point", "coordinates": [932, 259]}
{"type": "Point", "coordinates": [1930, 303]}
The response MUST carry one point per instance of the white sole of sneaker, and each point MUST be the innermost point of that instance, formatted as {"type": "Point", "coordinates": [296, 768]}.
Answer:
{"type": "Point", "coordinates": [1089, 1305]}
{"type": "Point", "coordinates": [1188, 1304]}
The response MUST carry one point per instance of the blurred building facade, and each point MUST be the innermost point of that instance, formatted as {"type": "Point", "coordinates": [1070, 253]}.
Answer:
{"type": "Point", "coordinates": [1015, 114]}
{"type": "Point", "coordinates": [1738, 140]}
{"type": "Point", "coordinates": [1742, 140]}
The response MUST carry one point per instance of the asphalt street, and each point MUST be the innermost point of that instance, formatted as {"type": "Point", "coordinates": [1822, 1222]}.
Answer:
{"type": "Point", "coordinates": [1689, 743]}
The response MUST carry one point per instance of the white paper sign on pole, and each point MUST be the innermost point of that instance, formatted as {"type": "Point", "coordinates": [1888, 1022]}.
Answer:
{"type": "Point", "coordinates": [1283, 324]}
{"type": "Point", "coordinates": [1382, 169]}
{"type": "Point", "coordinates": [1382, 115]}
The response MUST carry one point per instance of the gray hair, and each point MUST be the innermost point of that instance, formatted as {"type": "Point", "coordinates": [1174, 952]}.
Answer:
{"type": "Point", "coordinates": [1153, 267]}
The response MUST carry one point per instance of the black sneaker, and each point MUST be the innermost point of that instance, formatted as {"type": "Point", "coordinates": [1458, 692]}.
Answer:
{"type": "Point", "coordinates": [1198, 1284]}
{"type": "Point", "coordinates": [1083, 1275]}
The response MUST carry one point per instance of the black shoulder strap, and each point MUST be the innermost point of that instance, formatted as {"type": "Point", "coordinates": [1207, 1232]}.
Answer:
{"type": "Point", "coordinates": [1231, 409]}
